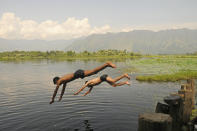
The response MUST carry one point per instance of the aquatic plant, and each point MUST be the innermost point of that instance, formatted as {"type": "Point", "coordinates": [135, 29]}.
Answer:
{"type": "Point", "coordinates": [181, 75]}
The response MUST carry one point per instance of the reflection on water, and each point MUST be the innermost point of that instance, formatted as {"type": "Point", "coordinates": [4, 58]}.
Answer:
{"type": "Point", "coordinates": [27, 87]}
{"type": "Point", "coordinates": [87, 126]}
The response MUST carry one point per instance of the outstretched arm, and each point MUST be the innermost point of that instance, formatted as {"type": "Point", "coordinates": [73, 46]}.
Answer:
{"type": "Point", "coordinates": [54, 94]}
{"type": "Point", "coordinates": [62, 93]}
{"type": "Point", "coordinates": [81, 89]}
{"type": "Point", "coordinates": [88, 91]}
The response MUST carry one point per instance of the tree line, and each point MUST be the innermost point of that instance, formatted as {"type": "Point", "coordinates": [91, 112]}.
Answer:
{"type": "Point", "coordinates": [66, 54]}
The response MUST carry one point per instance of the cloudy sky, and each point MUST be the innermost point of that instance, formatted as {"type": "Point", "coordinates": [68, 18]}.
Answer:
{"type": "Point", "coordinates": [68, 19]}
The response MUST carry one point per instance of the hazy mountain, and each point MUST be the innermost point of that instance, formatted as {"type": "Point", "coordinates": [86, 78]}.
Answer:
{"type": "Point", "coordinates": [162, 42]}
{"type": "Point", "coordinates": [35, 45]}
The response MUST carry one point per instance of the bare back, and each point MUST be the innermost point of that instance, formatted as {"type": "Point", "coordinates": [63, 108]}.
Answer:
{"type": "Point", "coordinates": [94, 81]}
{"type": "Point", "coordinates": [65, 78]}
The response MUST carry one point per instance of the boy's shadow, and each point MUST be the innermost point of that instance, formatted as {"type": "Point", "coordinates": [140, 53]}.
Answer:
{"type": "Point", "coordinates": [87, 126]}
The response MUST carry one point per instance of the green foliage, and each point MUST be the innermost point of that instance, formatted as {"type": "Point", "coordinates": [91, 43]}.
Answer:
{"type": "Point", "coordinates": [164, 68]}
{"type": "Point", "coordinates": [195, 53]}
{"type": "Point", "coordinates": [194, 114]}
{"type": "Point", "coordinates": [70, 53]}
{"type": "Point", "coordinates": [28, 55]}
{"type": "Point", "coordinates": [182, 75]}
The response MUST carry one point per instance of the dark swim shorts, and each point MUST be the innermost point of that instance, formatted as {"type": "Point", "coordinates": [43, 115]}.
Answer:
{"type": "Point", "coordinates": [79, 74]}
{"type": "Point", "coordinates": [103, 77]}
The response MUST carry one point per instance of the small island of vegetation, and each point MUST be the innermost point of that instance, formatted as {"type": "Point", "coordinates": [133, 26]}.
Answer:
{"type": "Point", "coordinates": [29, 55]}
{"type": "Point", "coordinates": [162, 68]}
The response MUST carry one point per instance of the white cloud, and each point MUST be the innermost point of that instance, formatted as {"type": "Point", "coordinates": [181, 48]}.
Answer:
{"type": "Point", "coordinates": [160, 27]}
{"type": "Point", "coordinates": [12, 27]}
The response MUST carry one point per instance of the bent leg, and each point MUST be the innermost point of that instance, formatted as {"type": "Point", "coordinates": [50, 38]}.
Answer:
{"type": "Point", "coordinates": [114, 84]}
{"type": "Point", "coordinates": [121, 83]}
{"type": "Point", "coordinates": [109, 79]}
{"type": "Point", "coordinates": [96, 70]}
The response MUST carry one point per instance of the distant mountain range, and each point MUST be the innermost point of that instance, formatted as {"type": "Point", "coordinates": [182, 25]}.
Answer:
{"type": "Point", "coordinates": [177, 41]}
{"type": "Point", "coordinates": [33, 45]}
{"type": "Point", "coordinates": [163, 42]}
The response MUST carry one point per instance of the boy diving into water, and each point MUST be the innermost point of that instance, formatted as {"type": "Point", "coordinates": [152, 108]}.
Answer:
{"type": "Point", "coordinates": [101, 79]}
{"type": "Point", "coordinates": [78, 74]}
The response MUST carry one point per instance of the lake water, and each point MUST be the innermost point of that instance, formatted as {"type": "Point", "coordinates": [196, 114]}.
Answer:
{"type": "Point", "coordinates": [26, 89]}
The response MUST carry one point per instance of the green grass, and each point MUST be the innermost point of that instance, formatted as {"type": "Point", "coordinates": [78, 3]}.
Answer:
{"type": "Point", "coordinates": [181, 75]}
{"type": "Point", "coordinates": [194, 114]}
{"type": "Point", "coordinates": [147, 67]}
{"type": "Point", "coordinates": [163, 68]}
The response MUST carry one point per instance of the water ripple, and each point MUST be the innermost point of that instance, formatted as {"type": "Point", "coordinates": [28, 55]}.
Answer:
{"type": "Point", "coordinates": [24, 100]}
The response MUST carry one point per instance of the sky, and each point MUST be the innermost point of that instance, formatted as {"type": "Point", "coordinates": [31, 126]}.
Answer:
{"type": "Point", "coordinates": [68, 19]}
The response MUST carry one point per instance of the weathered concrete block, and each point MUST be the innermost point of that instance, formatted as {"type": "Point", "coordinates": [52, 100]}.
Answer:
{"type": "Point", "coordinates": [162, 108]}
{"type": "Point", "coordinates": [154, 122]}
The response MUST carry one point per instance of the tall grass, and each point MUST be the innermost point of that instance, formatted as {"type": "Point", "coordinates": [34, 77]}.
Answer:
{"type": "Point", "coordinates": [181, 75]}
{"type": "Point", "coordinates": [168, 68]}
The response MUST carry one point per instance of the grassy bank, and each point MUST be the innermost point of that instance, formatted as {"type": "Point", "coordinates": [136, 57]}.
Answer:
{"type": "Point", "coordinates": [194, 114]}
{"type": "Point", "coordinates": [148, 67]}
{"type": "Point", "coordinates": [169, 68]}
{"type": "Point", "coordinates": [181, 75]}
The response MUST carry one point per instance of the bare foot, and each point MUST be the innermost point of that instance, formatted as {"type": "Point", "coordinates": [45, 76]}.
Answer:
{"type": "Point", "coordinates": [127, 83]}
{"type": "Point", "coordinates": [126, 75]}
{"type": "Point", "coordinates": [111, 64]}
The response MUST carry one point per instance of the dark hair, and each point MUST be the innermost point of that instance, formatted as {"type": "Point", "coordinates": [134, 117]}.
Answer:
{"type": "Point", "coordinates": [55, 79]}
